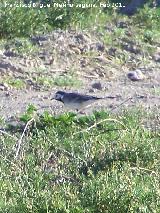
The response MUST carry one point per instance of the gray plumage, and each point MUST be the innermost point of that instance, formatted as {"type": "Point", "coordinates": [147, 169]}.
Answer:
{"type": "Point", "coordinates": [76, 101]}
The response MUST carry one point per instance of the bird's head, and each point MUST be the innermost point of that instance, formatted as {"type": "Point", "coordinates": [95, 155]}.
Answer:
{"type": "Point", "coordinates": [59, 96]}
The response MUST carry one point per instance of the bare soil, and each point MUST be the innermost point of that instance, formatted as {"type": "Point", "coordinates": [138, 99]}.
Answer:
{"type": "Point", "coordinates": [88, 60]}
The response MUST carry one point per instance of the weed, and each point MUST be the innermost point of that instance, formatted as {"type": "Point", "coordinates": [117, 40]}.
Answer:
{"type": "Point", "coordinates": [15, 83]}
{"type": "Point", "coordinates": [66, 80]}
{"type": "Point", "coordinates": [63, 167]}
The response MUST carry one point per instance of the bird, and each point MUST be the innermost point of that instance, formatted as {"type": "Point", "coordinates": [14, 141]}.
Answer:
{"type": "Point", "coordinates": [76, 101]}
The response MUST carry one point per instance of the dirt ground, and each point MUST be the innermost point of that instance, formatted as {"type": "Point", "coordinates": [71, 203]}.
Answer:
{"type": "Point", "coordinates": [15, 102]}
{"type": "Point", "coordinates": [85, 59]}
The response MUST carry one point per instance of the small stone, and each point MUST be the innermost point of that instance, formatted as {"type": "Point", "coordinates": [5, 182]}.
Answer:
{"type": "Point", "coordinates": [100, 46]}
{"type": "Point", "coordinates": [4, 86]}
{"type": "Point", "coordinates": [156, 57]}
{"type": "Point", "coordinates": [122, 24]}
{"type": "Point", "coordinates": [97, 46]}
{"type": "Point", "coordinates": [136, 75]}
{"type": "Point", "coordinates": [112, 51]}
{"type": "Point", "coordinates": [38, 39]}
{"type": "Point", "coordinates": [79, 38]}
{"type": "Point", "coordinates": [91, 90]}
{"type": "Point", "coordinates": [7, 94]}
{"type": "Point", "coordinates": [46, 97]}
{"type": "Point", "coordinates": [97, 85]}
{"type": "Point", "coordinates": [10, 53]}
{"type": "Point", "coordinates": [83, 62]}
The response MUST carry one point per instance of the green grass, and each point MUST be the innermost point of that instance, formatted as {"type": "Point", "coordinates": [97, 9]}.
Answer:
{"type": "Point", "coordinates": [14, 83]}
{"type": "Point", "coordinates": [141, 31]}
{"type": "Point", "coordinates": [69, 164]}
{"type": "Point", "coordinates": [25, 21]}
{"type": "Point", "coordinates": [66, 80]}
{"type": "Point", "coordinates": [21, 46]}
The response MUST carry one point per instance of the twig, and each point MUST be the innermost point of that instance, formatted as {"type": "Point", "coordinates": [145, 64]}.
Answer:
{"type": "Point", "coordinates": [95, 124]}
{"type": "Point", "coordinates": [108, 130]}
{"type": "Point", "coordinates": [62, 178]}
{"type": "Point", "coordinates": [21, 138]}
{"type": "Point", "coordinates": [107, 119]}
{"type": "Point", "coordinates": [6, 133]}
{"type": "Point", "coordinates": [88, 76]}
{"type": "Point", "coordinates": [130, 98]}
{"type": "Point", "coordinates": [144, 169]}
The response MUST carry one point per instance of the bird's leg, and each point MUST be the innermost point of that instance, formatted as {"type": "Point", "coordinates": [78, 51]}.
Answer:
{"type": "Point", "coordinates": [80, 112]}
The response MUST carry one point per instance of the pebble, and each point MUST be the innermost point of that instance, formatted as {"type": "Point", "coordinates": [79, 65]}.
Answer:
{"type": "Point", "coordinates": [4, 86]}
{"type": "Point", "coordinates": [156, 57]}
{"type": "Point", "coordinates": [136, 75]}
{"type": "Point", "coordinates": [97, 85]}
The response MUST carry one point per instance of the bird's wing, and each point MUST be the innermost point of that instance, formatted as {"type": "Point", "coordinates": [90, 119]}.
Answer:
{"type": "Point", "coordinates": [84, 98]}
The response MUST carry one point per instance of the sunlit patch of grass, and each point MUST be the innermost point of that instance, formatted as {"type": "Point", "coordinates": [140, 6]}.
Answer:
{"type": "Point", "coordinates": [68, 81]}
{"type": "Point", "coordinates": [19, 46]}
{"type": "Point", "coordinates": [25, 47]}
{"type": "Point", "coordinates": [14, 82]}
{"type": "Point", "coordinates": [155, 91]}
{"type": "Point", "coordinates": [44, 81]}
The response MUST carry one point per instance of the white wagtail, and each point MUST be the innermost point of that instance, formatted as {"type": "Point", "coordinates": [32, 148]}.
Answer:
{"type": "Point", "coordinates": [77, 101]}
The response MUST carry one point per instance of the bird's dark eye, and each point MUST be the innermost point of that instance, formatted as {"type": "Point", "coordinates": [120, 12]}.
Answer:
{"type": "Point", "coordinates": [58, 97]}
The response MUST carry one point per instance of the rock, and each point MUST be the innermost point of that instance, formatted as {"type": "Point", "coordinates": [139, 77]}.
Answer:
{"type": "Point", "coordinates": [83, 62]}
{"type": "Point", "coordinates": [97, 85]}
{"type": "Point", "coordinates": [98, 46]}
{"type": "Point", "coordinates": [91, 90]}
{"type": "Point", "coordinates": [38, 39]}
{"type": "Point", "coordinates": [7, 94]}
{"type": "Point", "coordinates": [9, 53]}
{"type": "Point", "coordinates": [136, 75]}
{"type": "Point", "coordinates": [79, 38]}
{"type": "Point", "coordinates": [112, 51]}
{"type": "Point", "coordinates": [132, 48]}
{"type": "Point", "coordinates": [4, 87]}
{"type": "Point", "coordinates": [156, 57]}
{"type": "Point", "coordinates": [122, 24]}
